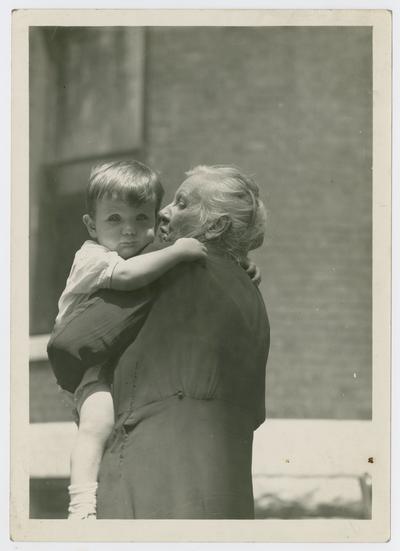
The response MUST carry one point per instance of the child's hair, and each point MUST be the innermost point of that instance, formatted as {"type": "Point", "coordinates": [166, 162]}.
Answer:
{"type": "Point", "coordinates": [128, 180]}
{"type": "Point", "coordinates": [235, 196]}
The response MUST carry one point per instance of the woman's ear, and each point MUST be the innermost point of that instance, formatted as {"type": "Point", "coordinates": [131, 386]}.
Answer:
{"type": "Point", "coordinates": [218, 227]}
{"type": "Point", "coordinates": [90, 225]}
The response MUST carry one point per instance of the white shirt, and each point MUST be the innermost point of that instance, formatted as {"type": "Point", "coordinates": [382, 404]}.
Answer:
{"type": "Point", "coordinates": [91, 270]}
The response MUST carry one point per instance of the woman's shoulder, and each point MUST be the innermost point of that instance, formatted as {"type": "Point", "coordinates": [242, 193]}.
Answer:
{"type": "Point", "coordinates": [215, 276]}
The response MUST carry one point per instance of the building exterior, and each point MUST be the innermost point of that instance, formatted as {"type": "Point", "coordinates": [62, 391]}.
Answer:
{"type": "Point", "coordinates": [290, 105]}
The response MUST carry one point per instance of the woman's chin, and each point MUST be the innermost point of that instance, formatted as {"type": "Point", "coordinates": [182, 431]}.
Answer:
{"type": "Point", "coordinates": [164, 236]}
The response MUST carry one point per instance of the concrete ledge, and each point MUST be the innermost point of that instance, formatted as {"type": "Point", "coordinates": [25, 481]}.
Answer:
{"type": "Point", "coordinates": [50, 449]}
{"type": "Point", "coordinates": [314, 447]}
{"type": "Point", "coordinates": [281, 447]}
{"type": "Point", "coordinates": [38, 347]}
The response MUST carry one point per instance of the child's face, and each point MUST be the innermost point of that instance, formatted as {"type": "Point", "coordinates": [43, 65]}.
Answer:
{"type": "Point", "coordinates": [122, 227]}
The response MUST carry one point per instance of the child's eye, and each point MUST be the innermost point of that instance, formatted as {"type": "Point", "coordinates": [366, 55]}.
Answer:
{"type": "Point", "coordinates": [142, 217]}
{"type": "Point", "coordinates": [114, 218]}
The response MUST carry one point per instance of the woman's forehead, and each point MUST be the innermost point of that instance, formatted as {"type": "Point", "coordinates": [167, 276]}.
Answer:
{"type": "Point", "coordinates": [195, 186]}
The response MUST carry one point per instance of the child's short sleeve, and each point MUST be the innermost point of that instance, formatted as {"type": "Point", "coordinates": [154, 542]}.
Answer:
{"type": "Point", "coordinates": [92, 269]}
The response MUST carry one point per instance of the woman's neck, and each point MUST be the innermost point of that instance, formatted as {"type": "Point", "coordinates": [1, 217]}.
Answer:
{"type": "Point", "coordinates": [216, 249]}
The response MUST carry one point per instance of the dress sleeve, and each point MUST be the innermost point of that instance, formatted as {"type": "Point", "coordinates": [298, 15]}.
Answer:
{"type": "Point", "coordinates": [97, 332]}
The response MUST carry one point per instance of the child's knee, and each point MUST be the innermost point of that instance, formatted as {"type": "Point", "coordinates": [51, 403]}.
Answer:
{"type": "Point", "coordinates": [98, 427]}
{"type": "Point", "coordinates": [97, 416]}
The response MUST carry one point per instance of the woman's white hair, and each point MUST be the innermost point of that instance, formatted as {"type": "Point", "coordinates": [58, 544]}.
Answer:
{"type": "Point", "coordinates": [235, 201]}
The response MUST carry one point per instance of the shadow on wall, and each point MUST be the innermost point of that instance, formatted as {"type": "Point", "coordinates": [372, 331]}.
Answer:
{"type": "Point", "coordinates": [301, 497]}
{"type": "Point", "coordinates": [278, 497]}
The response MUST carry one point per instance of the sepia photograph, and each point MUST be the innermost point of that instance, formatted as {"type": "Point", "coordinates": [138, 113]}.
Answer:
{"type": "Point", "coordinates": [207, 275]}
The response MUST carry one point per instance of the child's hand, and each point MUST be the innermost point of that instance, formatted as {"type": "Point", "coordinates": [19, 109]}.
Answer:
{"type": "Point", "coordinates": [252, 270]}
{"type": "Point", "coordinates": [189, 248]}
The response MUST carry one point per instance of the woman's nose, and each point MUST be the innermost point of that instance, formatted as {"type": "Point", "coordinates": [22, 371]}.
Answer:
{"type": "Point", "coordinates": [164, 216]}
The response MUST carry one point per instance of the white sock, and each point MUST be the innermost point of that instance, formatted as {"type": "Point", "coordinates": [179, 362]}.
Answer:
{"type": "Point", "coordinates": [82, 500]}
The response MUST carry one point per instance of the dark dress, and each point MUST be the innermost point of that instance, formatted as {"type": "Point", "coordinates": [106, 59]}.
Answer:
{"type": "Point", "coordinates": [188, 394]}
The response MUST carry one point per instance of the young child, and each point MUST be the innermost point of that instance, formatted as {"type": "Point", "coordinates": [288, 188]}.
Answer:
{"type": "Point", "coordinates": [123, 199]}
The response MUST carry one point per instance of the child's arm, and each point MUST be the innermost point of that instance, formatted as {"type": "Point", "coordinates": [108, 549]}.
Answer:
{"type": "Point", "coordinates": [141, 270]}
{"type": "Point", "coordinates": [100, 328]}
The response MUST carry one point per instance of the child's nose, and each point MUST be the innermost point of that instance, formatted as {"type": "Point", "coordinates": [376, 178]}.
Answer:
{"type": "Point", "coordinates": [129, 228]}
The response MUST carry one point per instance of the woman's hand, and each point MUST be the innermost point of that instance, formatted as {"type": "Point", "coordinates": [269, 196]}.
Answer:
{"type": "Point", "coordinates": [252, 270]}
{"type": "Point", "coordinates": [189, 248]}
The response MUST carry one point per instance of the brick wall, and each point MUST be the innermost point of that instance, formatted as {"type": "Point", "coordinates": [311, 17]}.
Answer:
{"type": "Point", "coordinates": [293, 107]}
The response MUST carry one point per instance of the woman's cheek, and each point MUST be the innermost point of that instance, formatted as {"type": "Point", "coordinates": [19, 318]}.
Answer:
{"type": "Point", "coordinates": [190, 222]}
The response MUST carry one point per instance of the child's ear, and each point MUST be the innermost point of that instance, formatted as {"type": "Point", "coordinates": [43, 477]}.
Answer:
{"type": "Point", "coordinates": [219, 227]}
{"type": "Point", "coordinates": [90, 225]}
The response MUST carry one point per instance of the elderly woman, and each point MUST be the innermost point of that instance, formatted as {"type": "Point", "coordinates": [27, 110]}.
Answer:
{"type": "Point", "coordinates": [190, 388]}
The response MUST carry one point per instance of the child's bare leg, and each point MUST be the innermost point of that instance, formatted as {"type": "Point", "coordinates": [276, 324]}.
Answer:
{"type": "Point", "coordinates": [96, 420]}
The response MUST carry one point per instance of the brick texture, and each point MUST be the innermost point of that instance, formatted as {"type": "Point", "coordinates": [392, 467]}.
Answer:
{"type": "Point", "coordinates": [293, 107]}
